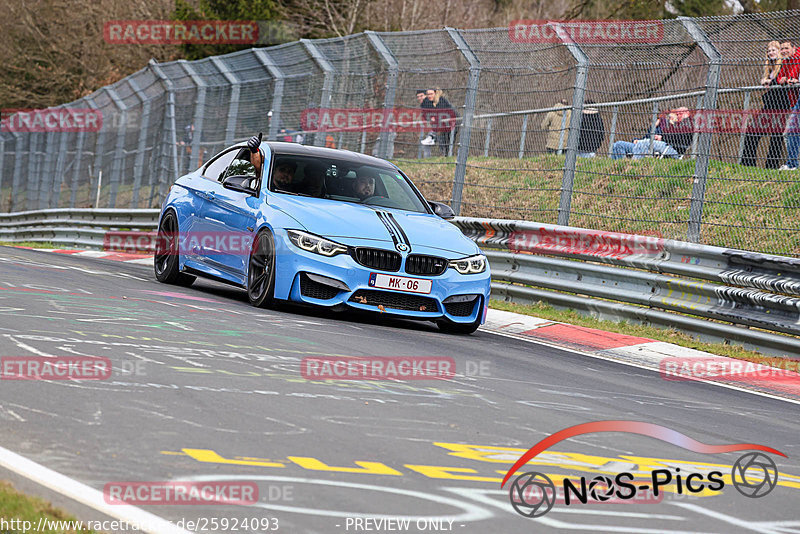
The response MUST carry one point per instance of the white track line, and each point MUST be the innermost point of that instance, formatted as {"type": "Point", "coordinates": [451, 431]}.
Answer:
{"type": "Point", "coordinates": [83, 494]}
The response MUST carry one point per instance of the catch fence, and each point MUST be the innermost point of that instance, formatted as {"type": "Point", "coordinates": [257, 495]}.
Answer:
{"type": "Point", "coordinates": [514, 151]}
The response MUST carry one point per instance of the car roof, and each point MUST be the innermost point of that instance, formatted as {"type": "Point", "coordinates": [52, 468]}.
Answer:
{"type": "Point", "coordinates": [295, 149]}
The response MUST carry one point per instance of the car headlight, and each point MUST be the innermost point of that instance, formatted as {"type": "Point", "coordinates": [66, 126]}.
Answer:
{"type": "Point", "coordinates": [472, 265]}
{"type": "Point", "coordinates": [315, 244]}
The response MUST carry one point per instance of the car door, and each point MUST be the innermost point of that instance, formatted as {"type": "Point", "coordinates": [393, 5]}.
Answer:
{"type": "Point", "coordinates": [227, 223]}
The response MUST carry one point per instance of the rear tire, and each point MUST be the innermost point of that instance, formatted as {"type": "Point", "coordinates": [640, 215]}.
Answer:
{"type": "Point", "coordinates": [261, 271]}
{"type": "Point", "coordinates": [166, 260]}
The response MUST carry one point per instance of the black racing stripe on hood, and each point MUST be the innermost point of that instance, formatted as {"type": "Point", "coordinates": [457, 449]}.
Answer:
{"type": "Point", "coordinates": [400, 228]}
{"type": "Point", "coordinates": [392, 231]}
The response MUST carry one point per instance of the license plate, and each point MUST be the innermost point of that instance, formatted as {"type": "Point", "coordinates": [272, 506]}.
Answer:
{"type": "Point", "coordinates": [400, 283]}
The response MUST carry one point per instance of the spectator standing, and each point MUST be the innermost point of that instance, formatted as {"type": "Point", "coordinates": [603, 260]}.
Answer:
{"type": "Point", "coordinates": [592, 131]}
{"type": "Point", "coordinates": [775, 105]}
{"type": "Point", "coordinates": [553, 123]}
{"type": "Point", "coordinates": [441, 124]}
{"type": "Point", "coordinates": [787, 76]}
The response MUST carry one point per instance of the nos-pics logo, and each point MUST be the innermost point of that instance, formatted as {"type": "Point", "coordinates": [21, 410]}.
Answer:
{"type": "Point", "coordinates": [533, 494]}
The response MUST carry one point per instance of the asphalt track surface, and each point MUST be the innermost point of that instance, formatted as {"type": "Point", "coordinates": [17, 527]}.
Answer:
{"type": "Point", "coordinates": [206, 387]}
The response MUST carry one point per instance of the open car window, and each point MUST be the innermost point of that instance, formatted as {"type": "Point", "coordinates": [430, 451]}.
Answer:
{"type": "Point", "coordinates": [215, 169]}
{"type": "Point", "coordinates": [344, 181]}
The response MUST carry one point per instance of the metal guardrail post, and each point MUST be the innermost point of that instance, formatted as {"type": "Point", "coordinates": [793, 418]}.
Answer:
{"type": "Point", "coordinates": [581, 77]}
{"type": "Point", "coordinates": [199, 112]}
{"type": "Point", "coordinates": [466, 123]}
{"type": "Point", "coordinates": [704, 141]}
{"type": "Point", "coordinates": [171, 141]}
{"type": "Point", "coordinates": [745, 124]}
{"type": "Point", "coordinates": [141, 146]}
{"type": "Point", "coordinates": [119, 150]}
{"type": "Point", "coordinates": [277, 91]}
{"type": "Point", "coordinates": [327, 81]}
{"type": "Point", "coordinates": [233, 105]}
{"type": "Point", "coordinates": [386, 141]}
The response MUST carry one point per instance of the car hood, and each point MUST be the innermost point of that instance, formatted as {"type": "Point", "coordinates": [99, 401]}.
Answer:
{"type": "Point", "coordinates": [340, 220]}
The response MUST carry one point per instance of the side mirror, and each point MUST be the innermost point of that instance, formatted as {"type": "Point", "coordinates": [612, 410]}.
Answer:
{"type": "Point", "coordinates": [442, 210]}
{"type": "Point", "coordinates": [242, 184]}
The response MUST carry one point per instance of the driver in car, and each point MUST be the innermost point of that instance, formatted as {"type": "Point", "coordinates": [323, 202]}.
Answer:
{"type": "Point", "coordinates": [364, 187]}
{"type": "Point", "coordinates": [283, 177]}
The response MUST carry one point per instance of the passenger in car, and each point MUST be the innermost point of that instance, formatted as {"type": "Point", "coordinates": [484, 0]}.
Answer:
{"type": "Point", "coordinates": [313, 183]}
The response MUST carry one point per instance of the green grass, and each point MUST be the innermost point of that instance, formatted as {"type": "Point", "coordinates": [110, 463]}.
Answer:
{"type": "Point", "coordinates": [16, 505]}
{"type": "Point", "coordinates": [745, 207]}
{"type": "Point", "coordinates": [30, 244]}
{"type": "Point", "coordinates": [669, 335]}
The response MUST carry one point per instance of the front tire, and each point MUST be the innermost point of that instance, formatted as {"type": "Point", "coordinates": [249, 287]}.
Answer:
{"type": "Point", "coordinates": [459, 328]}
{"type": "Point", "coordinates": [261, 271]}
{"type": "Point", "coordinates": [166, 259]}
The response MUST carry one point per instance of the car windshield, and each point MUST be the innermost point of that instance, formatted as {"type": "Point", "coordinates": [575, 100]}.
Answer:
{"type": "Point", "coordinates": [344, 181]}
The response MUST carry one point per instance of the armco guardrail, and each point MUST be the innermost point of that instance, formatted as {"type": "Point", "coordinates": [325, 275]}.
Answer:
{"type": "Point", "coordinates": [647, 279]}
{"type": "Point", "coordinates": [611, 275]}
{"type": "Point", "coordinates": [73, 227]}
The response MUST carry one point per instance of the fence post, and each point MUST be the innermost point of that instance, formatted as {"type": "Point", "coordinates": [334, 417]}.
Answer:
{"type": "Point", "coordinates": [172, 140]}
{"type": "Point", "coordinates": [233, 106]}
{"type": "Point", "coordinates": [2, 166]}
{"type": "Point", "coordinates": [199, 112]}
{"type": "Point", "coordinates": [581, 77]}
{"type": "Point", "coordinates": [563, 130]}
{"type": "Point", "coordinates": [119, 151]}
{"type": "Point", "coordinates": [745, 124]}
{"type": "Point", "coordinates": [277, 91]}
{"type": "Point", "coordinates": [386, 145]}
{"type": "Point", "coordinates": [704, 140]}
{"type": "Point", "coordinates": [138, 164]}
{"type": "Point", "coordinates": [614, 114]}
{"type": "Point", "coordinates": [17, 176]}
{"type": "Point", "coordinates": [466, 122]}
{"type": "Point", "coordinates": [98, 151]}
{"type": "Point", "coordinates": [58, 173]}
{"type": "Point", "coordinates": [696, 133]}
{"type": "Point", "coordinates": [33, 177]}
{"type": "Point", "coordinates": [73, 193]}
{"type": "Point", "coordinates": [522, 136]}
{"type": "Point", "coordinates": [653, 121]}
{"type": "Point", "coordinates": [488, 138]}
{"type": "Point", "coordinates": [46, 170]}
{"type": "Point", "coordinates": [327, 82]}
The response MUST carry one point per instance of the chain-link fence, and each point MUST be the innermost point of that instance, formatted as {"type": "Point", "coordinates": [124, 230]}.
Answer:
{"type": "Point", "coordinates": [544, 129]}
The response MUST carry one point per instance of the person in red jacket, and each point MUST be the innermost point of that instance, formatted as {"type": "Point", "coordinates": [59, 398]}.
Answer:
{"type": "Point", "coordinates": [788, 75]}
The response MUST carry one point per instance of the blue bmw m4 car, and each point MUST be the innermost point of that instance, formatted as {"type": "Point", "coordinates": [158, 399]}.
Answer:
{"type": "Point", "coordinates": [323, 227]}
